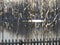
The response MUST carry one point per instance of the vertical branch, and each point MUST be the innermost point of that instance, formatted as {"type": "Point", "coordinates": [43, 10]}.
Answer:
{"type": "Point", "coordinates": [3, 21]}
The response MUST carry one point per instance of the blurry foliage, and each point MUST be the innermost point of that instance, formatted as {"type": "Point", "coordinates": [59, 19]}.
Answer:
{"type": "Point", "coordinates": [16, 13]}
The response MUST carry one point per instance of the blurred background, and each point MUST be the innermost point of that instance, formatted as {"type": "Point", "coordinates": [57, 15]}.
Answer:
{"type": "Point", "coordinates": [29, 19]}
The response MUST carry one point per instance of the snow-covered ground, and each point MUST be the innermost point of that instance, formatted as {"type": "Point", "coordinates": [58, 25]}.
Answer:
{"type": "Point", "coordinates": [9, 35]}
